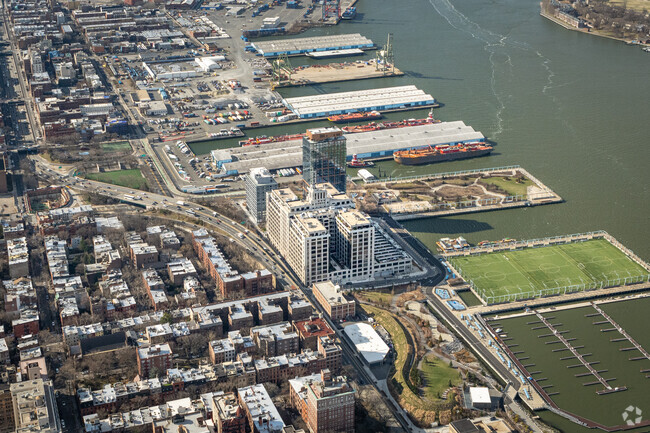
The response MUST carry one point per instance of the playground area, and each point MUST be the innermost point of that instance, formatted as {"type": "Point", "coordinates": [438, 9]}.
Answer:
{"type": "Point", "coordinates": [527, 273]}
{"type": "Point", "coordinates": [590, 362]}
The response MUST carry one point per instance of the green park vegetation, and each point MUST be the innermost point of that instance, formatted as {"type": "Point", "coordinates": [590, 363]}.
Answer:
{"type": "Point", "coordinates": [380, 298]}
{"type": "Point", "coordinates": [510, 185]}
{"type": "Point", "coordinates": [127, 178]}
{"type": "Point", "coordinates": [115, 146]}
{"type": "Point", "coordinates": [438, 377]}
{"type": "Point", "coordinates": [405, 381]}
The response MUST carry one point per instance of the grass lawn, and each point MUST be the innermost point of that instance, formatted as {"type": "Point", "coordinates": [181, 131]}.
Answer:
{"type": "Point", "coordinates": [127, 178]}
{"type": "Point", "coordinates": [637, 5]}
{"type": "Point", "coordinates": [401, 346]}
{"type": "Point", "coordinates": [469, 298]}
{"type": "Point", "coordinates": [381, 298]}
{"type": "Point", "coordinates": [511, 186]}
{"type": "Point", "coordinates": [116, 146]}
{"type": "Point", "coordinates": [437, 375]}
{"type": "Point", "coordinates": [524, 273]}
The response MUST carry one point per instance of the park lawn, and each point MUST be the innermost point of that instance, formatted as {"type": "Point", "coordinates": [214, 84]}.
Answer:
{"type": "Point", "coordinates": [437, 375]}
{"type": "Point", "coordinates": [534, 269]}
{"type": "Point", "coordinates": [381, 298]}
{"type": "Point", "coordinates": [637, 5]}
{"type": "Point", "coordinates": [128, 178]}
{"type": "Point", "coordinates": [510, 185]}
{"type": "Point", "coordinates": [401, 346]}
{"type": "Point", "coordinates": [116, 146]}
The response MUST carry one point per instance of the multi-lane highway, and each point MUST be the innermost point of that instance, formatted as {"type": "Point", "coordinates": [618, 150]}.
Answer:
{"type": "Point", "coordinates": [248, 239]}
{"type": "Point", "coordinates": [21, 76]}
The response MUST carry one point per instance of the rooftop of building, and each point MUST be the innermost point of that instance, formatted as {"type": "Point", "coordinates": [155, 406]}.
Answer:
{"type": "Point", "coordinates": [353, 218]}
{"type": "Point", "coordinates": [263, 412]}
{"type": "Point", "coordinates": [367, 341]}
{"type": "Point", "coordinates": [331, 292]}
{"type": "Point", "coordinates": [313, 327]}
{"type": "Point", "coordinates": [155, 350]}
{"type": "Point", "coordinates": [311, 225]}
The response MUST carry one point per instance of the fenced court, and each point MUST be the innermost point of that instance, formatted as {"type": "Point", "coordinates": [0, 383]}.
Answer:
{"type": "Point", "coordinates": [546, 269]}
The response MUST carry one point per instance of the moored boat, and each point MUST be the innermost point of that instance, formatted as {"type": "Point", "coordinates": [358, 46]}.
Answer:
{"type": "Point", "coordinates": [444, 152]}
{"type": "Point", "coordinates": [359, 163]}
{"type": "Point", "coordinates": [374, 126]}
{"type": "Point", "coordinates": [355, 117]}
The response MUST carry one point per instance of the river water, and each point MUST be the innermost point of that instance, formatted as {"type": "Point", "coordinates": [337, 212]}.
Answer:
{"type": "Point", "coordinates": [571, 108]}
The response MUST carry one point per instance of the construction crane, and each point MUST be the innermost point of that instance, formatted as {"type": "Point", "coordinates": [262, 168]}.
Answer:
{"type": "Point", "coordinates": [331, 8]}
{"type": "Point", "coordinates": [281, 72]}
{"type": "Point", "coordinates": [385, 61]}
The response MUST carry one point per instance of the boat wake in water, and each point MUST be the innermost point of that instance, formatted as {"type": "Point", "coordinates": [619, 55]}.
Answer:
{"type": "Point", "coordinates": [500, 48]}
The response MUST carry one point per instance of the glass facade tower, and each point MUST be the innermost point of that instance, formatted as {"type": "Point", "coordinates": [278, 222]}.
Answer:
{"type": "Point", "coordinates": [324, 157]}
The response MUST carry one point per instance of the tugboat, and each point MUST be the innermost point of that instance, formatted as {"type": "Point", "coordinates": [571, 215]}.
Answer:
{"type": "Point", "coordinates": [349, 13]}
{"type": "Point", "coordinates": [359, 163]}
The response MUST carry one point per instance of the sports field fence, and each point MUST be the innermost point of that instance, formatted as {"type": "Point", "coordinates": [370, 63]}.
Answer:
{"type": "Point", "coordinates": [446, 174]}
{"type": "Point", "coordinates": [559, 290]}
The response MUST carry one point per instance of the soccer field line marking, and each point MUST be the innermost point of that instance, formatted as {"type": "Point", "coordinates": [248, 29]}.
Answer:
{"type": "Point", "coordinates": [526, 275]}
{"type": "Point", "coordinates": [572, 260]}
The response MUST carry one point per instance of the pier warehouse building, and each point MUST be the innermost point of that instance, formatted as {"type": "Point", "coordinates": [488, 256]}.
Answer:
{"type": "Point", "coordinates": [366, 145]}
{"type": "Point", "coordinates": [383, 99]}
{"type": "Point", "coordinates": [302, 46]}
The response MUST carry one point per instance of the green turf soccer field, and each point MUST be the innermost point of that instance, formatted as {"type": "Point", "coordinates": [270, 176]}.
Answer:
{"type": "Point", "coordinates": [548, 270]}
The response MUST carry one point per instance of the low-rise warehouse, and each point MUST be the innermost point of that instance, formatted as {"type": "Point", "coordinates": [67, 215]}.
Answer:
{"type": "Point", "coordinates": [366, 145]}
{"type": "Point", "coordinates": [300, 46]}
{"type": "Point", "coordinates": [388, 98]}
{"type": "Point", "coordinates": [368, 342]}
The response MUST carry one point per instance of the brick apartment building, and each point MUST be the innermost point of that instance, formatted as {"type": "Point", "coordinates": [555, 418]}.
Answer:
{"type": "Point", "coordinates": [158, 357]}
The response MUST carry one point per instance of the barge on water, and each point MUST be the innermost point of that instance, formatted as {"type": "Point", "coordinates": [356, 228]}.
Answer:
{"type": "Point", "coordinates": [355, 117]}
{"type": "Point", "coordinates": [443, 152]}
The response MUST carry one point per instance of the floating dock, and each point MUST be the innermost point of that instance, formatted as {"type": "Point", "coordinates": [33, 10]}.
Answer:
{"type": "Point", "coordinates": [382, 99]}
{"type": "Point", "coordinates": [302, 46]}
{"type": "Point", "coordinates": [366, 145]}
